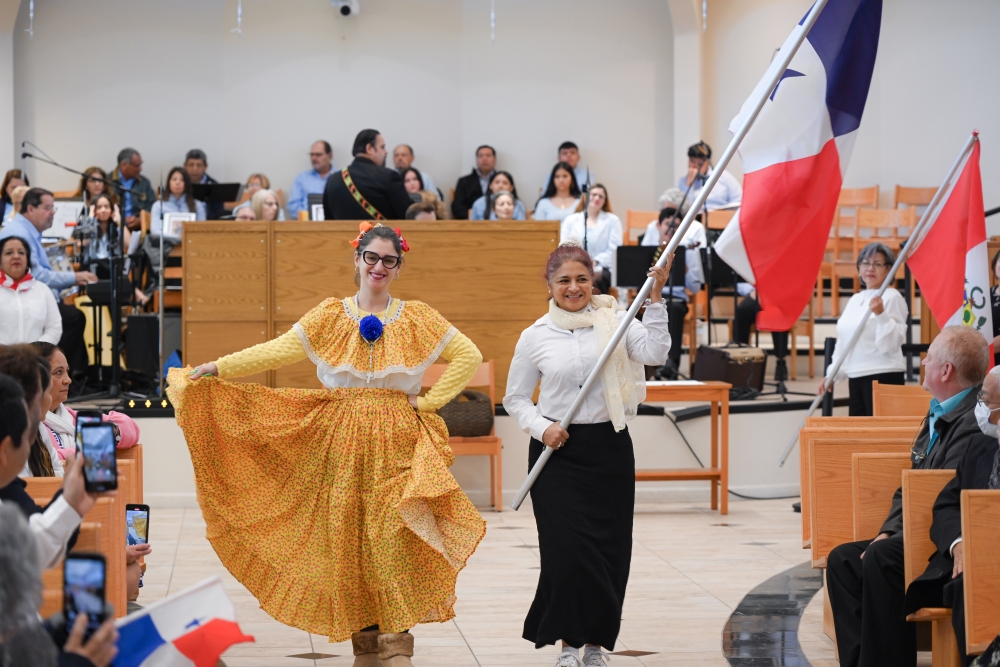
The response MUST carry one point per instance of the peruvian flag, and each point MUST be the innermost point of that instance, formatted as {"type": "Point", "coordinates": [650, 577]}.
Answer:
{"type": "Point", "coordinates": [190, 629]}
{"type": "Point", "coordinates": [951, 262]}
{"type": "Point", "coordinates": [795, 155]}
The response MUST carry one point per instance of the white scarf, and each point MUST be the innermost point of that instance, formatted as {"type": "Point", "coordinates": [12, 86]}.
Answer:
{"type": "Point", "coordinates": [62, 422]}
{"type": "Point", "coordinates": [624, 380]}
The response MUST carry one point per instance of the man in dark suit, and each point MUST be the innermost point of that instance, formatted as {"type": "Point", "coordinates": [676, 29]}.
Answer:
{"type": "Point", "coordinates": [196, 166]}
{"type": "Point", "coordinates": [865, 580]}
{"type": "Point", "coordinates": [366, 190]}
{"type": "Point", "coordinates": [473, 186]}
{"type": "Point", "coordinates": [941, 583]}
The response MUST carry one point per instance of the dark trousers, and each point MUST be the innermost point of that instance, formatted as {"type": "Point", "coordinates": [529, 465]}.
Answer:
{"type": "Point", "coordinates": [866, 595]}
{"type": "Point", "coordinates": [676, 312]}
{"type": "Point", "coordinates": [746, 315]}
{"type": "Point", "coordinates": [71, 343]}
{"type": "Point", "coordinates": [860, 402]}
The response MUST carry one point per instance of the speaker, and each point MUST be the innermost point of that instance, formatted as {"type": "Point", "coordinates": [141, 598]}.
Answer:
{"type": "Point", "coordinates": [739, 366]}
{"type": "Point", "coordinates": [142, 340]}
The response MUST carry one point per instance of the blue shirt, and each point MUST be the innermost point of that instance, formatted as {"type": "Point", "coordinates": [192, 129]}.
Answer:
{"type": "Point", "coordinates": [127, 208]}
{"type": "Point", "coordinates": [41, 269]}
{"type": "Point", "coordinates": [173, 205]}
{"type": "Point", "coordinates": [726, 191]}
{"type": "Point", "coordinates": [546, 210]}
{"type": "Point", "coordinates": [581, 174]}
{"type": "Point", "coordinates": [479, 210]}
{"type": "Point", "coordinates": [307, 183]}
{"type": "Point", "coordinates": [939, 409]}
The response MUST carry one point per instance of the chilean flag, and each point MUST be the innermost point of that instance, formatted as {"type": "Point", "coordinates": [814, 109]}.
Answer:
{"type": "Point", "coordinates": [190, 629]}
{"type": "Point", "coordinates": [795, 155]}
{"type": "Point", "coordinates": [952, 263]}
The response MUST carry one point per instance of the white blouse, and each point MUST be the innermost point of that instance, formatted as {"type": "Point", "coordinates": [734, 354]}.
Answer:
{"type": "Point", "coordinates": [562, 360]}
{"type": "Point", "coordinates": [878, 350]}
{"type": "Point", "coordinates": [602, 239]}
{"type": "Point", "coordinates": [29, 314]}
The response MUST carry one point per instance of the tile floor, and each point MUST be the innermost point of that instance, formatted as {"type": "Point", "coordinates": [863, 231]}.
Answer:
{"type": "Point", "coordinates": [690, 568]}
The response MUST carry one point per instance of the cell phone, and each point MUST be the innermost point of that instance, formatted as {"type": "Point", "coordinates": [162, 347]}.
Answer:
{"type": "Point", "coordinates": [100, 469]}
{"type": "Point", "coordinates": [84, 577]}
{"type": "Point", "coordinates": [136, 524]}
{"type": "Point", "coordinates": [87, 417]}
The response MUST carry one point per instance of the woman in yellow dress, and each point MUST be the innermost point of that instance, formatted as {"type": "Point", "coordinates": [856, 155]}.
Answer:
{"type": "Point", "coordinates": [335, 507]}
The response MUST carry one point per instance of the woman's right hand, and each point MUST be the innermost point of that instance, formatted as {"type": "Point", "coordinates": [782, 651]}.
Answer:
{"type": "Point", "coordinates": [204, 369]}
{"type": "Point", "coordinates": [822, 385]}
{"type": "Point", "coordinates": [555, 436]}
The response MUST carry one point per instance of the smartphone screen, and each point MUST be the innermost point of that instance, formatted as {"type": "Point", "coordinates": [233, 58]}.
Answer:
{"type": "Point", "coordinates": [83, 589]}
{"type": "Point", "coordinates": [86, 417]}
{"type": "Point", "coordinates": [100, 470]}
{"type": "Point", "coordinates": [137, 524]}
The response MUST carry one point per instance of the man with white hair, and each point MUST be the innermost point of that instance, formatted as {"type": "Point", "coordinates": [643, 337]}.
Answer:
{"type": "Point", "coordinates": [866, 580]}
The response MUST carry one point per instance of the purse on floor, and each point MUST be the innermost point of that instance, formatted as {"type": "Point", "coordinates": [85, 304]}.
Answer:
{"type": "Point", "coordinates": [468, 415]}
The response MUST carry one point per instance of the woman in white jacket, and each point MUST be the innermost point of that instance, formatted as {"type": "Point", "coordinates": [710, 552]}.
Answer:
{"type": "Point", "coordinates": [29, 309]}
{"type": "Point", "coordinates": [602, 237]}
{"type": "Point", "coordinates": [878, 354]}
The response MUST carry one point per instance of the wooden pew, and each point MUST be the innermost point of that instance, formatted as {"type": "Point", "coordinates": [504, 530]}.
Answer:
{"type": "Point", "coordinates": [109, 514]}
{"type": "Point", "coordinates": [876, 477]}
{"type": "Point", "coordinates": [920, 491]}
{"type": "Point", "coordinates": [892, 400]}
{"type": "Point", "coordinates": [130, 464]}
{"type": "Point", "coordinates": [980, 519]}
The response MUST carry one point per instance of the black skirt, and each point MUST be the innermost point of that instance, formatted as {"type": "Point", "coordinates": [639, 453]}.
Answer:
{"type": "Point", "coordinates": [583, 501]}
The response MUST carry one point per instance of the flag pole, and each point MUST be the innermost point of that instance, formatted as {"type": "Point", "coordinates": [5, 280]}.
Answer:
{"type": "Point", "coordinates": [767, 83]}
{"type": "Point", "coordinates": [916, 237]}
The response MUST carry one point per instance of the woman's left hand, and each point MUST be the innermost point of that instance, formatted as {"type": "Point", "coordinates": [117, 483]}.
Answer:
{"type": "Point", "coordinates": [660, 276]}
{"type": "Point", "coordinates": [413, 401]}
{"type": "Point", "coordinates": [876, 305]}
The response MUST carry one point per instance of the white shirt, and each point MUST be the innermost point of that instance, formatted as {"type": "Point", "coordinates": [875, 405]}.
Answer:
{"type": "Point", "coordinates": [727, 191]}
{"type": "Point", "coordinates": [563, 359]}
{"type": "Point", "coordinates": [29, 314]}
{"type": "Point", "coordinates": [52, 530]}
{"type": "Point", "coordinates": [602, 239]}
{"type": "Point", "coordinates": [878, 349]}
{"type": "Point", "coordinates": [693, 239]}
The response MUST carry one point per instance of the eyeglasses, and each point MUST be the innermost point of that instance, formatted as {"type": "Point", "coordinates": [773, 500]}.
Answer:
{"type": "Point", "coordinates": [388, 261]}
{"type": "Point", "coordinates": [870, 265]}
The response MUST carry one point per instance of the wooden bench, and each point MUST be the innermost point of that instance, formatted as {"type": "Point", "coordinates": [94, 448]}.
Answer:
{"type": "Point", "coordinates": [893, 400]}
{"type": "Point", "coordinates": [980, 519]}
{"type": "Point", "coordinates": [486, 445]}
{"type": "Point", "coordinates": [920, 490]}
{"type": "Point", "coordinates": [876, 477]}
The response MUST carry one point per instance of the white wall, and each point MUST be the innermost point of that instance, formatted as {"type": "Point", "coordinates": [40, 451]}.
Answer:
{"type": "Point", "coordinates": [936, 79]}
{"type": "Point", "coordinates": [422, 71]}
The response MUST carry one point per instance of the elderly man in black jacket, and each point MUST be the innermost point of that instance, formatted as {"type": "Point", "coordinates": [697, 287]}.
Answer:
{"type": "Point", "coordinates": [941, 583]}
{"type": "Point", "coordinates": [472, 186]}
{"type": "Point", "coordinates": [865, 580]}
{"type": "Point", "coordinates": [366, 190]}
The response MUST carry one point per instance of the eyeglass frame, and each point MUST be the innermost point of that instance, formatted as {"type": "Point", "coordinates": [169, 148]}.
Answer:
{"type": "Point", "coordinates": [380, 258]}
{"type": "Point", "coordinates": [873, 265]}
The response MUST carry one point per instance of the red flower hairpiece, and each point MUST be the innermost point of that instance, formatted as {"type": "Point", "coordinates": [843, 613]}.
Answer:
{"type": "Point", "coordinates": [364, 228]}
{"type": "Point", "coordinates": [402, 241]}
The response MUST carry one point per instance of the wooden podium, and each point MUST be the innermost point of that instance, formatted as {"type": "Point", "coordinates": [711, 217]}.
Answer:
{"type": "Point", "coordinates": [248, 282]}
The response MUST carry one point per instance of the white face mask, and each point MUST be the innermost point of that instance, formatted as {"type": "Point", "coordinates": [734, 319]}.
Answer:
{"type": "Point", "coordinates": [983, 419]}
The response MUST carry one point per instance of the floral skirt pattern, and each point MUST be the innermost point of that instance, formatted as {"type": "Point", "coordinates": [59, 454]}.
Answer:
{"type": "Point", "coordinates": [335, 508]}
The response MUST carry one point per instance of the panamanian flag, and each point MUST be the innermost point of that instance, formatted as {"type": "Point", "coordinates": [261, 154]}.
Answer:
{"type": "Point", "coordinates": [190, 629]}
{"type": "Point", "coordinates": [795, 155]}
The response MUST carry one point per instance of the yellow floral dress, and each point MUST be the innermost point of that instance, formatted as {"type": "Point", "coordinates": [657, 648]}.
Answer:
{"type": "Point", "coordinates": [335, 507]}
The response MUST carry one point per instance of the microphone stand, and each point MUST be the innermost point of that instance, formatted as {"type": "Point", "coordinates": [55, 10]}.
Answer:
{"type": "Point", "coordinates": [114, 386]}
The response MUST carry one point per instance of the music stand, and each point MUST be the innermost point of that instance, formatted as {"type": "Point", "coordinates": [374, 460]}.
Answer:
{"type": "Point", "coordinates": [216, 193]}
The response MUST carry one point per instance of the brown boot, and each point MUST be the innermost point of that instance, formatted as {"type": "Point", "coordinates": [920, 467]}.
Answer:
{"type": "Point", "coordinates": [365, 645]}
{"type": "Point", "coordinates": [395, 649]}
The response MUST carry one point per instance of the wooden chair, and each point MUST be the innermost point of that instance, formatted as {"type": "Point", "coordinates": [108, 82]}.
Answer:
{"type": "Point", "coordinates": [841, 240]}
{"type": "Point", "coordinates": [912, 196]}
{"type": "Point", "coordinates": [65, 194]}
{"type": "Point", "coordinates": [486, 445]}
{"type": "Point", "coordinates": [980, 518]}
{"type": "Point", "coordinates": [697, 303]}
{"type": "Point", "coordinates": [89, 540]}
{"type": "Point", "coordinates": [876, 477]}
{"type": "Point", "coordinates": [636, 223]}
{"type": "Point", "coordinates": [893, 400]}
{"type": "Point", "coordinates": [920, 491]}
{"type": "Point", "coordinates": [133, 454]}
{"type": "Point", "coordinates": [719, 220]}
{"type": "Point", "coordinates": [809, 326]}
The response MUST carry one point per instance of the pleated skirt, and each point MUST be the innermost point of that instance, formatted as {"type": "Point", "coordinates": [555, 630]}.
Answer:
{"type": "Point", "coordinates": [583, 503]}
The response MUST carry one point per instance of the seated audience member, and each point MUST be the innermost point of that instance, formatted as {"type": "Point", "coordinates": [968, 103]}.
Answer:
{"type": "Point", "coordinates": [500, 181]}
{"type": "Point", "coordinates": [196, 166]}
{"type": "Point", "coordinates": [402, 159]}
{"type": "Point", "coordinates": [413, 181]}
{"type": "Point", "coordinates": [421, 211]}
{"type": "Point", "coordinates": [92, 184]}
{"type": "Point", "coordinates": [601, 236]}
{"type": "Point", "coordinates": [37, 212]}
{"type": "Point", "coordinates": [11, 180]}
{"type": "Point", "coordinates": [561, 196]}
{"type": "Point", "coordinates": [366, 188]}
{"type": "Point", "coordinates": [29, 310]}
{"type": "Point", "coordinates": [139, 195]}
{"type": "Point", "coordinates": [244, 213]}
{"type": "Point", "coordinates": [107, 216]}
{"type": "Point", "coordinates": [570, 154]}
{"type": "Point", "coordinates": [502, 205]}
{"type": "Point", "coordinates": [472, 186]}
{"type": "Point", "coordinates": [16, 197]}
{"type": "Point", "coordinates": [865, 580]}
{"type": "Point", "coordinates": [22, 363]}
{"type": "Point", "coordinates": [727, 191]}
{"type": "Point", "coordinates": [312, 182]}
{"type": "Point", "coordinates": [254, 183]}
{"type": "Point", "coordinates": [658, 233]}
{"type": "Point", "coordinates": [265, 205]}
{"type": "Point", "coordinates": [179, 199]}
{"type": "Point", "coordinates": [440, 210]}
{"type": "Point", "coordinates": [24, 640]}
{"type": "Point", "coordinates": [941, 584]}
